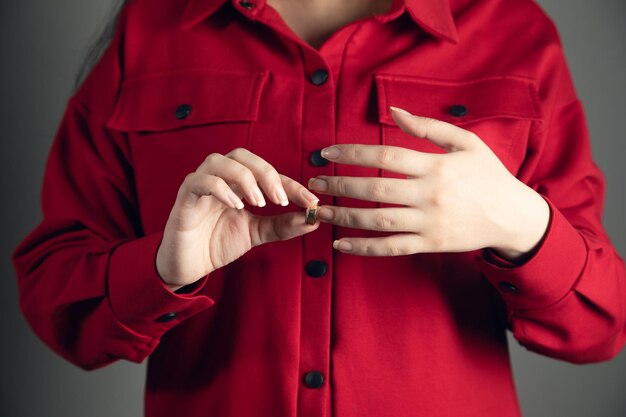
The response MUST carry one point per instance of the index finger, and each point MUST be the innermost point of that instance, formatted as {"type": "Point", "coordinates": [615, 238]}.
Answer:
{"type": "Point", "coordinates": [298, 193]}
{"type": "Point", "coordinates": [391, 158]}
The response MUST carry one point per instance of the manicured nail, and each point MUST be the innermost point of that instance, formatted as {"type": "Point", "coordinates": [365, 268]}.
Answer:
{"type": "Point", "coordinates": [325, 213]}
{"type": "Point", "coordinates": [309, 196]}
{"type": "Point", "coordinates": [258, 195]}
{"type": "Point", "coordinates": [318, 184]}
{"type": "Point", "coordinates": [399, 110]}
{"type": "Point", "coordinates": [236, 201]}
{"type": "Point", "coordinates": [281, 196]}
{"type": "Point", "coordinates": [342, 245]}
{"type": "Point", "coordinates": [331, 152]}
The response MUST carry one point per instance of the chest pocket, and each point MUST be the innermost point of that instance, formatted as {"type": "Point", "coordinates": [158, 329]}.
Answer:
{"type": "Point", "coordinates": [174, 119]}
{"type": "Point", "coordinates": [499, 110]}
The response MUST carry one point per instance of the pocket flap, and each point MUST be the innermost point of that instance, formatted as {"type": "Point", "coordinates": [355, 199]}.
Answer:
{"type": "Point", "coordinates": [170, 100]}
{"type": "Point", "coordinates": [482, 98]}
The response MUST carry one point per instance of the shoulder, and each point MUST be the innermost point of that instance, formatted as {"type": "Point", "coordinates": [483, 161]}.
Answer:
{"type": "Point", "coordinates": [516, 37]}
{"type": "Point", "coordinates": [507, 16]}
{"type": "Point", "coordinates": [140, 24]}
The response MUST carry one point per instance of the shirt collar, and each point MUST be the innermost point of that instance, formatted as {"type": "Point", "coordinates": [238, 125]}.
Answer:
{"type": "Point", "coordinates": [434, 16]}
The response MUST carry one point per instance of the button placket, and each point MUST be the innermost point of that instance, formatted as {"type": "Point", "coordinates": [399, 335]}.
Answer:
{"type": "Point", "coordinates": [318, 132]}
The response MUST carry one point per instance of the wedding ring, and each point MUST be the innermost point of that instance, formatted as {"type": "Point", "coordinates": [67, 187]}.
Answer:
{"type": "Point", "coordinates": [311, 215]}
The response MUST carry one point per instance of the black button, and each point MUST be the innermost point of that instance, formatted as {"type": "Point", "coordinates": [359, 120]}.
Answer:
{"type": "Point", "coordinates": [167, 317]}
{"type": "Point", "coordinates": [508, 287]}
{"type": "Point", "coordinates": [316, 268]}
{"type": "Point", "coordinates": [317, 160]}
{"type": "Point", "coordinates": [313, 379]}
{"type": "Point", "coordinates": [458, 110]}
{"type": "Point", "coordinates": [248, 5]}
{"type": "Point", "coordinates": [319, 76]}
{"type": "Point", "coordinates": [182, 111]}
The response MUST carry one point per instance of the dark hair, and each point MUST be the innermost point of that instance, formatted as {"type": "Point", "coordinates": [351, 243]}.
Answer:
{"type": "Point", "coordinates": [99, 43]}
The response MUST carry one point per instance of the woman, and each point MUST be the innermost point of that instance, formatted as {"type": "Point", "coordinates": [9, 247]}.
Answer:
{"type": "Point", "coordinates": [436, 231]}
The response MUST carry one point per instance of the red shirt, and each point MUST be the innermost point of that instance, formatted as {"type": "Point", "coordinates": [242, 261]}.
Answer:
{"type": "Point", "coordinates": [296, 327]}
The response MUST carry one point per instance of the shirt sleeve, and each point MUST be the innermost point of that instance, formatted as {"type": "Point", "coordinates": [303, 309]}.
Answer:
{"type": "Point", "coordinates": [568, 299]}
{"type": "Point", "coordinates": [87, 278]}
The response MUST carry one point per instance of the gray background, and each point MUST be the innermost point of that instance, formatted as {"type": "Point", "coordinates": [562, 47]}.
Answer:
{"type": "Point", "coordinates": [41, 46]}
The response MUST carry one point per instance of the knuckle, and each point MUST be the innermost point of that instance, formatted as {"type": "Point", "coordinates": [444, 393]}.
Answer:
{"type": "Point", "coordinates": [440, 167]}
{"type": "Point", "coordinates": [189, 178]}
{"type": "Point", "coordinates": [355, 152]}
{"type": "Point", "coordinates": [212, 157]}
{"type": "Point", "coordinates": [339, 185]}
{"type": "Point", "coordinates": [437, 242]}
{"type": "Point", "coordinates": [393, 250]}
{"type": "Point", "coordinates": [372, 250]}
{"type": "Point", "coordinates": [246, 176]}
{"type": "Point", "coordinates": [346, 218]}
{"type": "Point", "coordinates": [268, 170]}
{"type": "Point", "coordinates": [378, 189]}
{"type": "Point", "coordinates": [428, 126]}
{"type": "Point", "coordinates": [237, 151]}
{"type": "Point", "coordinates": [386, 155]}
{"type": "Point", "coordinates": [383, 221]}
{"type": "Point", "coordinates": [471, 136]}
{"type": "Point", "coordinates": [436, 198]}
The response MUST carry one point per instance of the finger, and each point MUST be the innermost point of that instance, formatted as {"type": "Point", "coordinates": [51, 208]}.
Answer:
{"type": "Point", "coordinates": [388, 219]}
{"type": "Point", "coordinates": [232, 171]}
{"type": "Point", "coordinates": [279, 227]}
{"type": "Point", "coordinates": [198, 184]}
{"type": "Point", "coordinates": [386, 190]}
{"type": "Point", "coordinates": [391, 158]}
{"type": "Point", "coordinates": [298, 193]}
{"type": "Point", "coordinates": [394, 245]}
{"type": "Point", "coordinates": [443, 134]}
{"type": "Point", "coordinates": [265, 174]}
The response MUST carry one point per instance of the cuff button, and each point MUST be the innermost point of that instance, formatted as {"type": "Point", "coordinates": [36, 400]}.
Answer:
{"type": "Point", "coordinates": [167, 317]}
{"type": "Point", "coordinates": [508, 287]}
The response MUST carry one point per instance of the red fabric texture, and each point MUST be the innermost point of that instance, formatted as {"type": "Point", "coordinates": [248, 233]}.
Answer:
{"type": "Point", "coordinates": [423, 334]}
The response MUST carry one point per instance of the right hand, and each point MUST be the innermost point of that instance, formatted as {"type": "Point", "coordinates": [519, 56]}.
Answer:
{"type": "Point", "coordinates": [207, 227]}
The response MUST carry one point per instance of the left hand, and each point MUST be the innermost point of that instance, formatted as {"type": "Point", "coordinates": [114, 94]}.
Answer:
{"type": "Point", "coordinates": [457, 201]}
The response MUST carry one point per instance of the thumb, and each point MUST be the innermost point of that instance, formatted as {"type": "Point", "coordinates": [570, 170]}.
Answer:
{"type": "Point", "coordinates": [281, 227]}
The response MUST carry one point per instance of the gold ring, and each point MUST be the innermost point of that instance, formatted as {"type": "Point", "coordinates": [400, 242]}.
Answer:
{"type": "Point", "coordinates": [311, 215]}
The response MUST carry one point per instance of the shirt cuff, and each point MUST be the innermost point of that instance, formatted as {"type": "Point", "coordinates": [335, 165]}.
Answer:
{"type": "Point", "coordinates": [547, 275]}
{"type": "Point", "coordinates": [139, 297]}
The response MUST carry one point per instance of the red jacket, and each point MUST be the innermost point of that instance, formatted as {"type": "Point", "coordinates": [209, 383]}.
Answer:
{"type": "Point", "coordinates": [295, 327]}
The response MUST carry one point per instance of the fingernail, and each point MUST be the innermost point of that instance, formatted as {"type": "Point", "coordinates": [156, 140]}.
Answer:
{"type": "Point", "coordinates": [309, 196]}
{"type": "Point", "coordinates": [318, 184]}
{"type": "Point", "coordinates": [236, 201]}
{"type": "Point", "coordinates": [325, 213]}
{"type": "Point", "coordinates": [258, 195]}
{"type": "Point", "coordinates": [342, 245]}
{"type": "Point", "coordinates": [399, 110]}
{"type": "Point", "coordinates": [331, 152]}
{"type": "Point", "coordinates": [281, 196]}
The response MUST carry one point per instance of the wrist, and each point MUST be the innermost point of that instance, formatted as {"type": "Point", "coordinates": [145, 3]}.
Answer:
{"type": "Point", "coordinates": [525, 227]}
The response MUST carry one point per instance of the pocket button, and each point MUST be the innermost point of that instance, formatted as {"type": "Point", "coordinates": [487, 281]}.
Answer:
{"type": "Point", "coordinates": [458, 110]}
{"type": "Point", "coordinates": [182, 111]}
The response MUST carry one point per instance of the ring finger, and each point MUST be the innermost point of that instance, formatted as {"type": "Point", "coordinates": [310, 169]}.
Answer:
{"type": "Point", "coordinates": [391, 219]}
